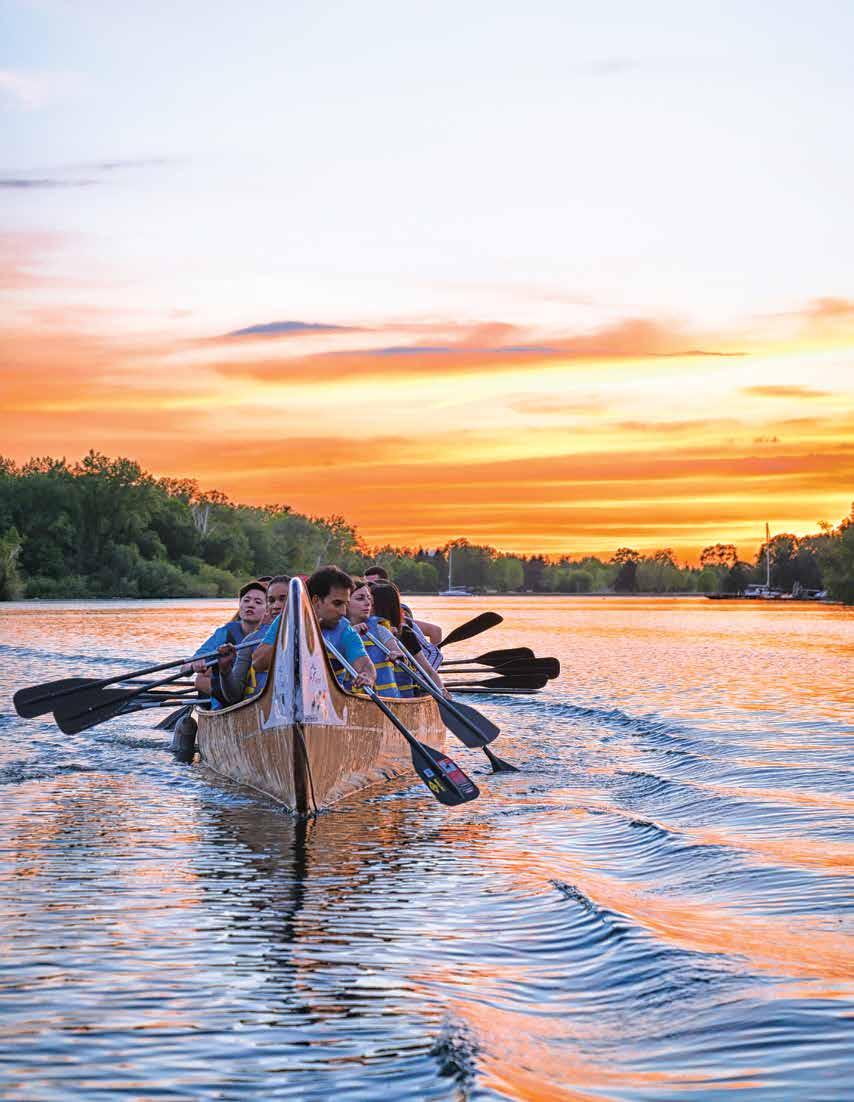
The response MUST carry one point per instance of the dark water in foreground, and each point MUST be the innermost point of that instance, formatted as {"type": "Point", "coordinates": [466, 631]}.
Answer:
{"type": "Point", "coordinates": [658, 907]}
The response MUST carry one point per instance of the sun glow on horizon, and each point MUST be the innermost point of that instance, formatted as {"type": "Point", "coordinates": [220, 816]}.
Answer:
{"type": "Point", "coordinates": [421, 311]}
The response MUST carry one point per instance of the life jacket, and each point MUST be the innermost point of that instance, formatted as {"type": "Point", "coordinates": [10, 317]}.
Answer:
{"type": "Point", "coordinates": [386, 683]}
{"type": "Point", "coordinates": [405, 684]}
{"type": "Point", "coordinates": [430, 651]}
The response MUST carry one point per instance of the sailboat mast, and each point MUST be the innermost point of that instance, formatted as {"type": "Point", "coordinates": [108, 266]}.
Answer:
{"type": "Point", "coordinates": [450, 568]}
{"type": "Point", "coordinates": [767, 556]}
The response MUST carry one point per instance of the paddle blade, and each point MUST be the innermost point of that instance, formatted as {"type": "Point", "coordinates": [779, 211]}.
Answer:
{"type": "Point", "coordinates": [38, 700]}
{"type": "Point", "coordinates": [509, 654]}
{"type": "Point", "coordinates": [486, 729]}
{"type": "Point", "coordinates": [475, 689]}
{"type": "Point", "coordinates": [443, 777]}
{"type": "Point", "coordinates": [499, 765]}
{"type": "Point", "coordinates": [88, 710]}
{"type": "Point", "coordinates": [170, 722]}
{"type": "Point", "coordinates": [473, 627]}
{"type": "Point", "coordinates": [531, 667]}
{"type": "Point", "coordinates": [492, 657]}
{"type": "Point", "coordinates": [516, 681]}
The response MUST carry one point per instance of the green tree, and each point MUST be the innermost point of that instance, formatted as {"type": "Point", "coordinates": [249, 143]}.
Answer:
{"type": "Point", "coordinates": [506, 573]}
{"type": "Point", "coordinates": [10, 549]}
{"type": "Point", "coordinates": [626, 561]}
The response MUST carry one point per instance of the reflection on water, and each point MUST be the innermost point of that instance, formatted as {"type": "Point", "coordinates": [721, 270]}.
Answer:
{"type": "Point", "coordinates": [658, 906]}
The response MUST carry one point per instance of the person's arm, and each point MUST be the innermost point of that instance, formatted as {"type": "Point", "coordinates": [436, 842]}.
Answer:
{"type": "Point", "coordinates": [428, 670]}
{"type": "Point", "coordinates": [432, 631]}
{"type": "Point", "coordinates": [367, 674]}
{"type": "Point", "coordinates": [261, 657]}
{"type": "Point", "coordinates": [353, 649]}
{"type": "Point", "coordinates": [233, 679]}
{"type": "Point", "coordinates": [388, 641]}
{"type": "Point", "coordinates": [199, 666]}
{"type": "Point", "coordinates": [263, 653]}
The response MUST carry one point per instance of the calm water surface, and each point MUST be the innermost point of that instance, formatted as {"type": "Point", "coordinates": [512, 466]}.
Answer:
{"type": "Point", "coordinates": [659, 906]}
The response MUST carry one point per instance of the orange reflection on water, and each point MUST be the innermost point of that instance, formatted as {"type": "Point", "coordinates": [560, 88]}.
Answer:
{"type": "Point", "coordinates": [833, 858]}
{"type": "Point", "coordinates": [769, 944]}
{"type": "Point", "coordinates": [533, 1058]}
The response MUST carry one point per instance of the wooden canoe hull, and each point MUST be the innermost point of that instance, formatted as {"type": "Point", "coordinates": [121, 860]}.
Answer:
{"type": "Point", "coordinates": [274, 745]}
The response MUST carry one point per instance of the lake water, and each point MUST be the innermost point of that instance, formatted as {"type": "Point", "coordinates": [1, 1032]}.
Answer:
{"type": "Point", "coordinates": [658, 906]}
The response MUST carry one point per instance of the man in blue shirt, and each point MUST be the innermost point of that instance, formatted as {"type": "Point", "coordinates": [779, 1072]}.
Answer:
{"type": "Point", "coordinates": [329, 590]}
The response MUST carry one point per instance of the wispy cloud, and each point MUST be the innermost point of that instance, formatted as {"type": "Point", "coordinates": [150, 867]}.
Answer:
{"type": "Point", "coordinates": [473, 354]}
{"type": "Point", "coordinates": [830, 308]}
{"type": "Point", "coordinates": [62, 176]}
{"type": "Point", "coordinates": [34, 183]}
{"type": "Point", "coordinates": [558, 407]}
{"type": "Point", "coordinates": [783, 391]}
{"type": "Point", "coordinates": [288, 329]}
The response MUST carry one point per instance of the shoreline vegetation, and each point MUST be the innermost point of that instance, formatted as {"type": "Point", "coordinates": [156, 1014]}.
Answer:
{"type": "Point", "coordinates": [104, 528]}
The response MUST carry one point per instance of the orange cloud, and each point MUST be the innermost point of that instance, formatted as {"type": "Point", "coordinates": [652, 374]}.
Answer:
{"type": "Point", "coordinates": [785, 392]}
{"type": "Point", "coordinates": [480, 350]}
{"type": "Point", "coordinates": [644, 456]}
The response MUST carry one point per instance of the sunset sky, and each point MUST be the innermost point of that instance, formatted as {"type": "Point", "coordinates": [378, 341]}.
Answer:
{"type": "Point", "coordinates": [553, 276]}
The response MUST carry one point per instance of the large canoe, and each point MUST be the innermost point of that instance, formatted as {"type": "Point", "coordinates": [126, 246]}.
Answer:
{"type": "Point", "coordinates": [303, 740]}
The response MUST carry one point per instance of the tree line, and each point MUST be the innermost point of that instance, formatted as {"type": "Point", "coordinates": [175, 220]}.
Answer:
{"type": "Point", "coordinates": [103, 527]}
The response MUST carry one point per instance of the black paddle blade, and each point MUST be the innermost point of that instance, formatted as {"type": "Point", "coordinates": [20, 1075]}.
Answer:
{"type": "Point", "coordinates": [492, 657]}
{"type": "Point", "coordinates": [83, 711]}
{"type": "Point", "coordinates": [488, 730]}
{"type": "Point", "coordinates": [475, 689]}
{"type": "Point", "coordinates": [473, 627]}
{"type": "Point", "coordinates": [170, 722]}
{"type": "Point", "coordinates": [443, 777]}
{"type": "Point", "coordinates": [509, 654]}
{"type": "Point", "coordinates": [38, 700]}
{"type": "Point", "coordinates": [499, 765]}
{"type": "Point", "coordinates": [515, 681]}
{"type": "Point", "coordinates": [529, 667]}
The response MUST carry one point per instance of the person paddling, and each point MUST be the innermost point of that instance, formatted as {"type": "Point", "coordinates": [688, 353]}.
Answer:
{"type": "Point", "coordinates": [238, 677]}
{"type": "Point", "coordinates": [387, 607]}
{"type": "Point", "coordinates": [360, 615]}
{"type": "Point", "coordinates": [251, 611]}
{"type": "Point", "coordinates": [329, 590]}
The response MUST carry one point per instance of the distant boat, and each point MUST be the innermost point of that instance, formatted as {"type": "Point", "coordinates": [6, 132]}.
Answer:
{"type": "Point", "coordinates": [764, 592]}
{"type": "Point", "coordinates": [454, 590]}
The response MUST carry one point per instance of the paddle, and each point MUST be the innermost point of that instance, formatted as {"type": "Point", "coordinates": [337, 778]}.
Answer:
{"type": "Point", "coordinates": [36, 700]}
{"type": "Point", "coordinates": [493, 657]}
{"type": "Point", "coordinates": [443, 777]}
{"type": "Point", "coordinates": [548, 667]}
{"type": "Point", "coordinates": [475, 690]}
{"type": "Point", "coordinates": [532, 681]}
{"type": "Point", "coordinates": [470, 727]}
{"type": "Point", "coordinates": [473, 627]}
{"type": "Point", "coordinates": [170, 722]}
{"type": "Point", "coordinates": [87, 709]}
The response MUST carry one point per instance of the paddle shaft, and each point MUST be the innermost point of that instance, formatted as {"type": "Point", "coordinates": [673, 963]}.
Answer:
{"type": "Point", "coordinates": [498, 765]}
{"type": "Point", "coordinates": [412, 670]}
{"type": "Point", "coordinates": [103, 682]}
{"type": "Point", "coordinates": [446, 788]}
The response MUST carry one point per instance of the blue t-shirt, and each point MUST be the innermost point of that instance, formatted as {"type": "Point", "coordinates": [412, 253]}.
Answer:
{"type": "Point", "coordinates": [272, 632]}
{"type": "Point", "coordinates": [232, 632]}
{"type": "Point", "coordinates": [343, 637]}
{"type": "Point", "coordinates": [346, 640]}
